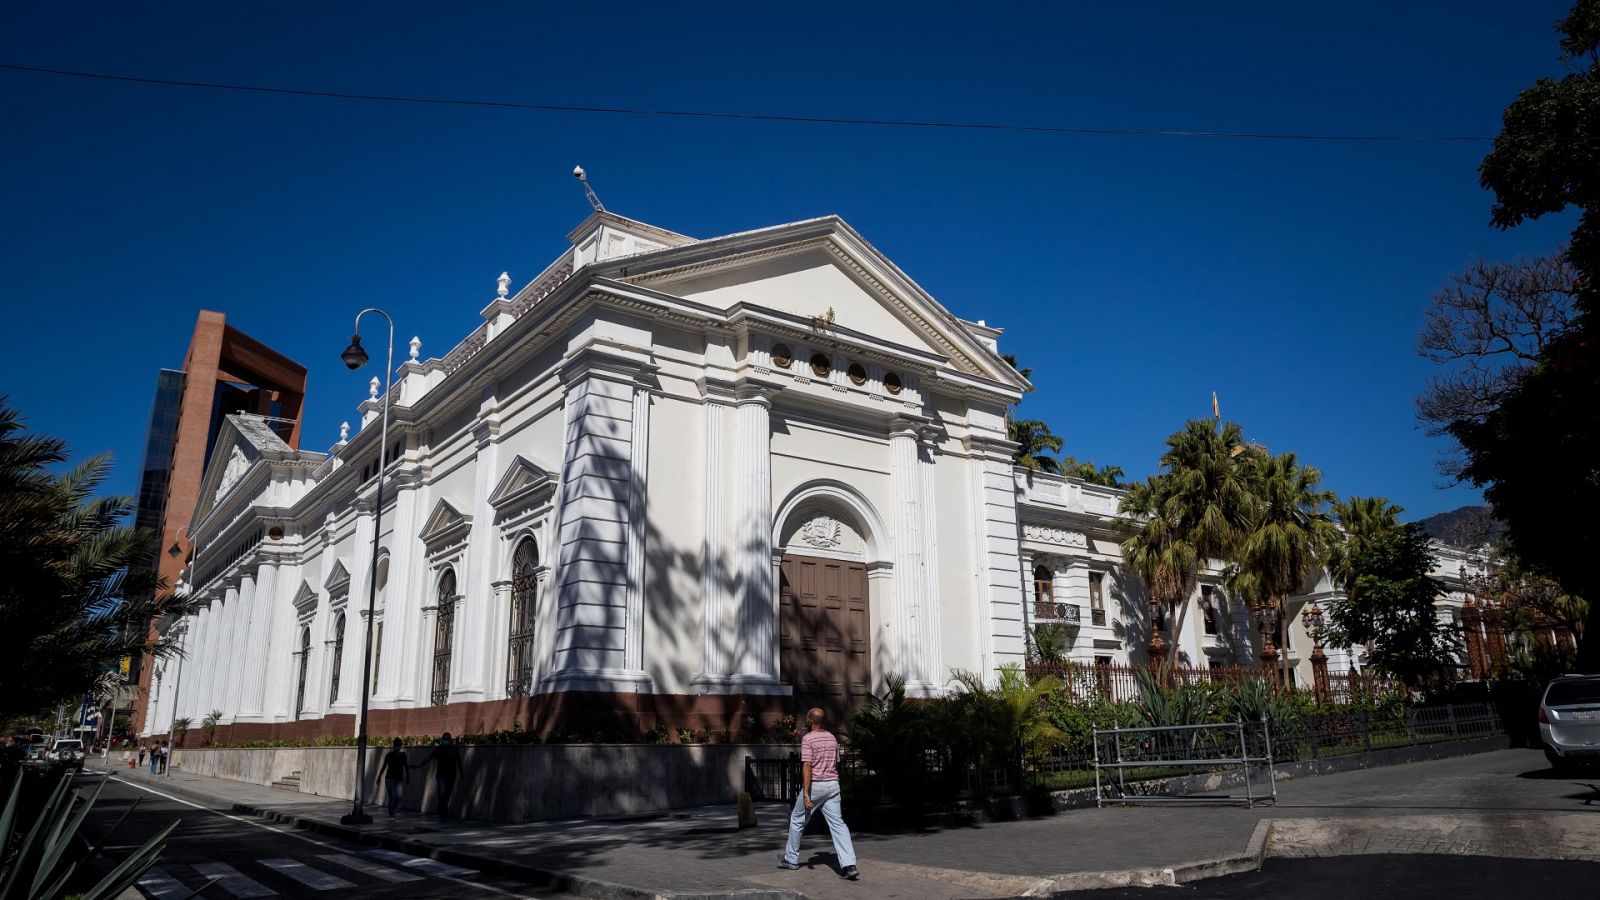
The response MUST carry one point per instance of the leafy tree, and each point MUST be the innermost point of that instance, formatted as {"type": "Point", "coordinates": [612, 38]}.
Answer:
{"type": "Point", "coordinates": [1035, 444]}
{"type": "Point", "coordinates": [1486, 329]}
{"type": "Point", "coordinates": [1050, 642]}
{"type": "Point", "coordinates": [1289, 536]}
{"type": "Point", "coordinates": [1393, 610]}
{"type": "Point", "coordinates": [180, 727]}
{"type": "Point", "coordinates": [79, 591]}
{"type": "Point", "coordinates": [1537, 452]}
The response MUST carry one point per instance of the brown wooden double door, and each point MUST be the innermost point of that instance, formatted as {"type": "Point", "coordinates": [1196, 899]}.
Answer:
{"type": "Point", "coordinates": [824, 635]}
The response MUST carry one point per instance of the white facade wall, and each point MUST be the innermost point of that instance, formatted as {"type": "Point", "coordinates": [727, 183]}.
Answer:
{"type": "Point", "coordinates": [663, 419]}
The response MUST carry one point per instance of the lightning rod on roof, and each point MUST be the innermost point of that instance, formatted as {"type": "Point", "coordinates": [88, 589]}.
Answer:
{"type": "Point", "coordinates": [594, 201]}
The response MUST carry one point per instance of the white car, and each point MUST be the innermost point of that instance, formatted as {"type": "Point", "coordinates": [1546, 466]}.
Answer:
{"type": "Point", "coordinates": [1569, 720]}
{"type": "Point", "coordinates": [66, 753]}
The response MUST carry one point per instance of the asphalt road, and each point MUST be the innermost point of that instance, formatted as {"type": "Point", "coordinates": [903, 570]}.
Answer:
{"type": "Point", "coordinates": [1414, 877]}
{"type": "Point", "coordinates": [245, 856]}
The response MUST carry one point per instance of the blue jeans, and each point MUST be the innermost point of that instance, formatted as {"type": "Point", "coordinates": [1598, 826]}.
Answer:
{"type": "Point", "coordinates": [824, 797]}
{"type": "Point", "coordinates": [393, 791]}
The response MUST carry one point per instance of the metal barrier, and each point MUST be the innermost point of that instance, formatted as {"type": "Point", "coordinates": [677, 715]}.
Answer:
{"type": "Point", "coordinates": [772, 779]}
{"type": "Point", "coordinates": [1153, 755]}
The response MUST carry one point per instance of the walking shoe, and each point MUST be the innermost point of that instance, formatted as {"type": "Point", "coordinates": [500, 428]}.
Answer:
{"type": "Point", "coordinates": [851, 873]}
{"type": "Point", "coordinates": [785, 864]}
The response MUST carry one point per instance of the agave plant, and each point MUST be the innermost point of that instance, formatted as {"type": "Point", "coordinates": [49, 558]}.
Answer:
{"type": "Point", "coordinates": [39, 870]}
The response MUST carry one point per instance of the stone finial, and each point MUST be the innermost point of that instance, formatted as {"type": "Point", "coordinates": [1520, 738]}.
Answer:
{"type": "Point", "coordinates": [416, 348]}
{"type": "Point", "coordinates": [504, 282]}
{"type": "Point", "coordinates": [344, 433]}
{"type": "Point", "coordinates": [372, 388]}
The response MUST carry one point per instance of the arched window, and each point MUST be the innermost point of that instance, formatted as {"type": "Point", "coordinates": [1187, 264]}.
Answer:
{"type": "Point", "coordinates": [375, 629]}
{"type": "Point", "coordinates": [1044, 607]}
{"type": "Point", "coordinates": [300, 683]}
{"type": "Point", "coordinates": [338, 658]}
{"type": "Point", "coordinates": [524, 610]}
{"type": "Point", "coordinates": [443, 634]}
{"type": "Point", "coordinates": [1043, 584]}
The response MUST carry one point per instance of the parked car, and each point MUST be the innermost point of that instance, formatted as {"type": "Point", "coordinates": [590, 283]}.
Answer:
{"type": "Point", "coordinates": [1569, 721]}
{"type": "Point", "coordinates": [66, 754]}
{"type": "Point", "coordinates": [37, 761]}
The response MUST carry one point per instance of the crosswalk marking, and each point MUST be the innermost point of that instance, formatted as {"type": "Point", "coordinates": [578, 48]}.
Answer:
{"type": "Point", "coordinates": [157, 883]}
{"type": "Point", "coordinates": [231, 881]}
{"type": "Point", "coordinates": [369, 868]}
{"type": "Point", "coordinates": [315, 879]}
{"type": "Point", "coordinates": [422, 864]}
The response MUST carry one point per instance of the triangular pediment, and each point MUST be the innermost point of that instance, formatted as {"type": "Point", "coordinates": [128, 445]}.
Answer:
{"type": "Point", "coordinates": [446, 523]}
{"type": "Point", "coordinates": [524, 479]}
{"type": "Point", "coordinates": [338, 579]}
{"type": "Point", "coordinates": [808, 268]}
{"type": "Point", "coordinates": [305, 598]}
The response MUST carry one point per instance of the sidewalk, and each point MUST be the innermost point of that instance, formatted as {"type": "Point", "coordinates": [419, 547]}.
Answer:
{"type": "Point", "coordinates": [701, 852]}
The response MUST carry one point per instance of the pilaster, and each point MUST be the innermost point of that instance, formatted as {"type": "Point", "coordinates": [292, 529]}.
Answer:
{"type": "Point", "coordinates": [756, 658]}
{"type": "Point", "coordinates": [713, 574]}
{"type": "Point", "coordinates": [601, 532]}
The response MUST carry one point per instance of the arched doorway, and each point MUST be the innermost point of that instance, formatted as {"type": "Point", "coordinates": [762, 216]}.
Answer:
{"type": "Point", "coordinates": [824, 634]}
{"type": "Point", "coordinates": [824, 602]}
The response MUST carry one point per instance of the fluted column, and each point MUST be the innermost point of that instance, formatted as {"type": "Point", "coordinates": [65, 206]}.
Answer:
{"type": "Point", "coordinates": [910, 576]}
{"type": "Point", "coordinates": [713, 574]}
{"type": "Point", "coordinates": [199, 635]}
{"type": "Point", "coordinates": [234, 648]}
{"type": "Point", "coordinates": [638, 472]}
{"type": "Point", "coordinates": [263, 639]}
{"type": "Point", "coordinates": [931, 636]}
{"type": "Point", "coordinates": [757, 601]}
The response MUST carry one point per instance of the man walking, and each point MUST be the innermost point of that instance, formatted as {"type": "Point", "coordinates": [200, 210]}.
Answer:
{"type": "Point", "coordinates": [446, 759]}
{"type": "Point", "coordinates": [395, 773]}
{"type": "Point", "coordinates": [819, 788]}
{"type": "Point", "coordinates": [155, 757]}
{"type": "Point", "coordinates": [166, 750]}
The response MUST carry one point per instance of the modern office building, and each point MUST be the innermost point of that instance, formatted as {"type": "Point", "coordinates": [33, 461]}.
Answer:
{"type": "Point", "coordinates": [225, 371]}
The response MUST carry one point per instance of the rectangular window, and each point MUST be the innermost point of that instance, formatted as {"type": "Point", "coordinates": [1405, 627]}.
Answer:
{"type": "Point", "coordinates": [1097, 599]}
{"type": "Point", "coordinates": [1208, 609]}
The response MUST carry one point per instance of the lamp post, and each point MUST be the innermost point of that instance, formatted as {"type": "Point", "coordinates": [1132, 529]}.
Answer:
{"type": "Point", "coordinates": [1266, 615]}
{"type": "Point", "coordinates": [182, 628]}
{"type": "Point", "coordinates": [354, 358]}
{"type": "Point", "coordinates": [1319, 660]}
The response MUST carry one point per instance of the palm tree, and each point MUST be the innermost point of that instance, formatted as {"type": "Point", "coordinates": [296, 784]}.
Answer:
{"type": "Point", "coordinates": [1362, 520]}
{"type": "Point", "coordinates": [1106, 476]}
{"type": "Point", "coordinates": [1290, 534]}
{"type": "Point", "coordinates": [1035, 444]}
{"type": "Point", "coordinates": [1204, 498]}
{"type": "Point", "coordinates": [80, 589]}
{"type": "Point", "coordinates": [210, 723]}
{"type": "Point", "coordinates": [1159, 552]}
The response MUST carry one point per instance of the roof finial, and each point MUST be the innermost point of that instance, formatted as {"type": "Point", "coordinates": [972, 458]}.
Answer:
{"type": "Point", "coordinates": [372, 388]}
{"type": "Point", "coordinates": [504, 282]}
{"type": "Point", "coordinates": [416, 348]}
{"type": "Point", "coordinates": [582, 176]}
{"type": "Point", "coordinates": [344, 433]}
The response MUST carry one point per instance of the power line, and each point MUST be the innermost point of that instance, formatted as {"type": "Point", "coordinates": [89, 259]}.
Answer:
{"type": "Point", "coordinates": [755, 117]}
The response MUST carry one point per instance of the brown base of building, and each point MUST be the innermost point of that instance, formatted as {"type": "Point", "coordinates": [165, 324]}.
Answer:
{"type": "Point", "coordinates": [576, 715]}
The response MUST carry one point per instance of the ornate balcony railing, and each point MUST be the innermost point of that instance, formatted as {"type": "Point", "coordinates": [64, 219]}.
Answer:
{"type": "Point", "coordinates": [1049, 611]}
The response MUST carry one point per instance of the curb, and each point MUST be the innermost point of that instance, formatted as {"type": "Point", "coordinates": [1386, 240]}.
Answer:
{"type": "Point", "coordinates": [1249, 861]}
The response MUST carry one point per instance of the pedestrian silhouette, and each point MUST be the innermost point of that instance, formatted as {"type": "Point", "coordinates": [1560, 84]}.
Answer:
{"type": "Point", "coordinates": [446, 759]}
{"type": "Point", "coordinates": [395, 774]}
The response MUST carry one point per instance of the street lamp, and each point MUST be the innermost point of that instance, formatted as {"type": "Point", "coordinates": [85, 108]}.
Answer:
{"type": "Point", "coordinates": [182, 628]}
{"type": "Point", "coordinates": [354, 358]}
{"type": "Point", "coordinates": [1319, 660]}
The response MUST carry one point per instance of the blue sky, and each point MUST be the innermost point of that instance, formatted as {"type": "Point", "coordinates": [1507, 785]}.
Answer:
{"type": "Point", "coordinates": [1134, 274]}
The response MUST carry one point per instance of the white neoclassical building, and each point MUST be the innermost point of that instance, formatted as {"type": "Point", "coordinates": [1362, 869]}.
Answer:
{"type": "Point", "coordinates": [668, 483]}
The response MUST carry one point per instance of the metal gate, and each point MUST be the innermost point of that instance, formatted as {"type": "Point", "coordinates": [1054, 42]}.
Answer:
{"type": "Point", "coordinates": [1134, 765]}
